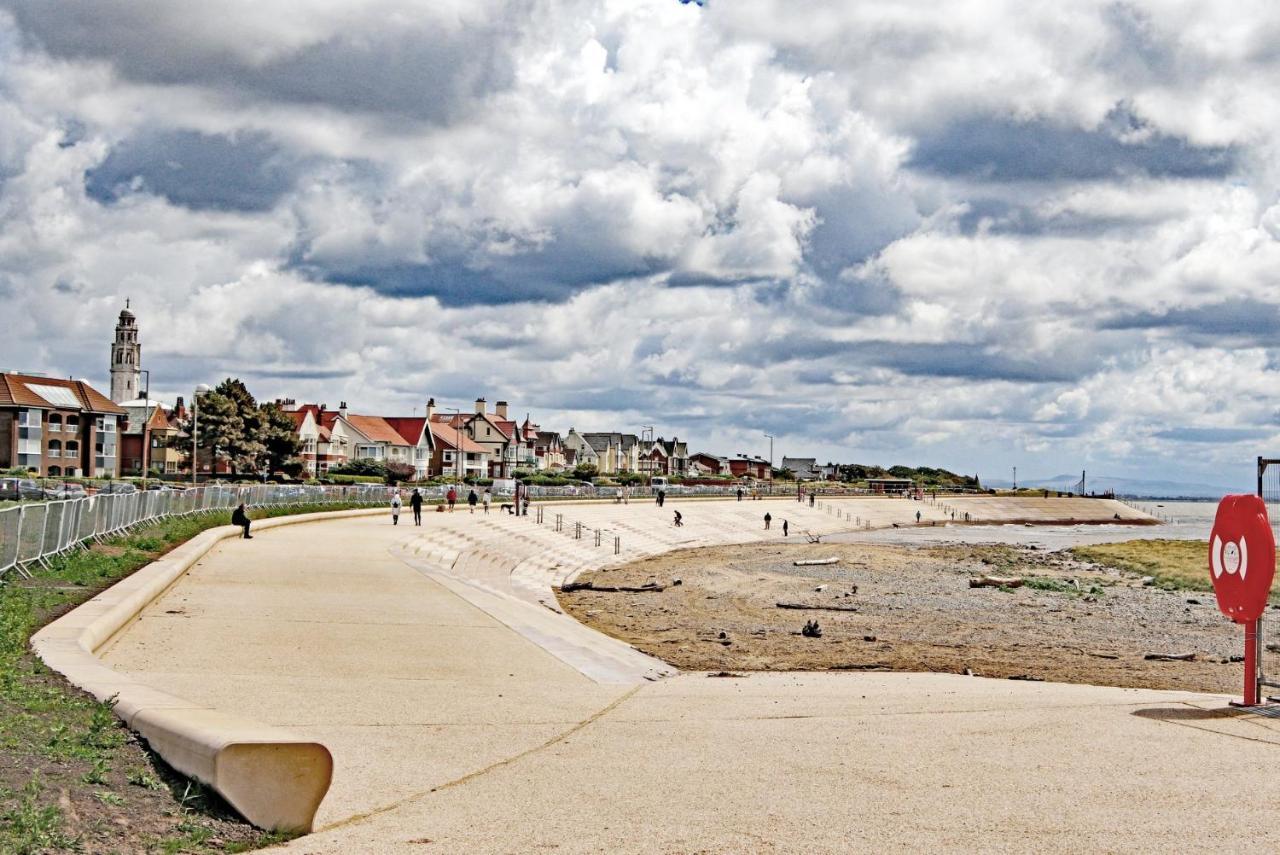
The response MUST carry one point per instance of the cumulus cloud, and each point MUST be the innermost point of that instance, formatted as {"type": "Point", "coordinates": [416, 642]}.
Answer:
{"type": "Point", "coordinates": [974, 236]}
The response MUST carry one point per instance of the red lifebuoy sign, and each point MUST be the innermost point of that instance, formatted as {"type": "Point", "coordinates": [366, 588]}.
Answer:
{"type": "Point", "coordinates": [1242, 557]}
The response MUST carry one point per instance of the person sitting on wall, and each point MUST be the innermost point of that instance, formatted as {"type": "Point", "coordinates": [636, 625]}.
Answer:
{"type": "Point", "coordinates": [240, 518]}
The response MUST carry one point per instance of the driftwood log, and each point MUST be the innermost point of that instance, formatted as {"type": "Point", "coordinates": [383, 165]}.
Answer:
{"type": "Point", "coordinates": [826, 608]}
{"type": "Point", "coordinates": [816, 562]}
{"type": "Point", "coordinates": [612, 589]}
{"type": "Point", "coordinates": [996, 582]}
{"type": "Point", "coordinates": [1170, 657]}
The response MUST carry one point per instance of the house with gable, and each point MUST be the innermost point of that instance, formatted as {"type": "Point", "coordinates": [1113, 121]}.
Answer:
{"type": "Point", "coordinates": [415, 431]}
{"type": "Point", "coordinates": [617, 452]}
{"type": "Point", "coordinates": [665, 457]}
{"type": "Point", "coordinates": [548, 448]}
{"type": "Point", "coordinates": [578, 452]}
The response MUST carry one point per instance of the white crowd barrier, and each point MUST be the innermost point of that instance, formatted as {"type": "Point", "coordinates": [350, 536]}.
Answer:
{"type": "Point", "coordinates": [33, 532]}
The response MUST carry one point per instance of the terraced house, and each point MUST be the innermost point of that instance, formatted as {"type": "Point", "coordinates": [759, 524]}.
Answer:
{"type": "Point", "coordinates": [58, 428]}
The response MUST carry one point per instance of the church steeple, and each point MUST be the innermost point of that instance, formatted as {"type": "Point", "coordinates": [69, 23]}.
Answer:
{"type": "Point", "coordinates": [126, 358]}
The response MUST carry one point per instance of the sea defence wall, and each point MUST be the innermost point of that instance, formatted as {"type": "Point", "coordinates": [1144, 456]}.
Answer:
{"type": "Point", "coordinates": [506, 566]}
{"type": "Point", "coordinates": [275, 779]}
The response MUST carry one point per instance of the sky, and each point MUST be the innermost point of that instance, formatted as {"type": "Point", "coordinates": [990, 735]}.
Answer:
{"type": "Point", "coordinates": [975, 235]}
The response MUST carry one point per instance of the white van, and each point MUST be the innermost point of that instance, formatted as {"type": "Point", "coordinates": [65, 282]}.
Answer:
{"type": "Point", "coordinates": [658, 482]}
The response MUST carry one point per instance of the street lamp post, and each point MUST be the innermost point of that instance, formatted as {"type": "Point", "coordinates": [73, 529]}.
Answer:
{"type": "Point", "coordinates": [195, 432]}
{"type": "Point", "coordinates": [770, 436]}
{"type": "Point", "coordinates": [457, 439]}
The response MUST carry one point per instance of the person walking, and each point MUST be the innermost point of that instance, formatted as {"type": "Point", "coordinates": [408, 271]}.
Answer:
{"type": "Point", "coordinates": [488, 497]}
{"type": "Point", "coordinates": [739, 494]}
{"type": "Point", "coordinates": [768, 520]}
{"type": "Point", "coordinates": [662, 498]}
{"type": "Point", "coordinates": [240, 518]}
{"type": "Point", "coordinates": [812, 498]}
{"type": "Point", "coordinates": [451, 497]}
{"type": "Point", "coordinates": [785, 528]}
{"type": "Point", "coordinates": [415, 504]}
{"type": "Point", "coordinates": [472, 499]}
{"type": "Point", "coordinates": [679, 520]}
{"type": "Point", "coordinates": [395, 508]}
{"type": "Point", "coordinates": [917, 518]}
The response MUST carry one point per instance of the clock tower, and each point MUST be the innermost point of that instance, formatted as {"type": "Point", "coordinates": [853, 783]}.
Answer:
{"type": "Point", "coordinates": [126, 359]}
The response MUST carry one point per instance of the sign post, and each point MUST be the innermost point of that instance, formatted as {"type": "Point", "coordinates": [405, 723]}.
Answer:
{"type": "Point", "coordinates": [1242, 564]}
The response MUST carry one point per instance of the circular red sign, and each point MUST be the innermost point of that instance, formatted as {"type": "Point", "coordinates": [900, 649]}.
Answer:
{"type": "Point", "coordinates": [1242, 557]}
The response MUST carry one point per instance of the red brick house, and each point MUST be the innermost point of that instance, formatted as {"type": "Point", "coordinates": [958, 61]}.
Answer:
{"type": "Point", "coordinates": [58, 428]}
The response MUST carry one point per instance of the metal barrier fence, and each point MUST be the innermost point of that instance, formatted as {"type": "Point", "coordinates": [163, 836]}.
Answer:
{"type": "Point", "coordinates": [34, 532]}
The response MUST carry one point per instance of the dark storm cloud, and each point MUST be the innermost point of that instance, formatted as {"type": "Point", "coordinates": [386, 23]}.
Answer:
{"type": "Point", "coordinates": [453, 281]}
{"type": "Point", "coordinates": [417, 68]}
{"type": "Point", "coordinates": [995, 148]}
{"type": "Point", "coordinates": [246, 172]}
{"type": "Point", "coordinates": [1001, 217]}
{"type": "Point", "coordinates": [971, 362]}
{"type": "Point", "coordinates": [1234, 318]}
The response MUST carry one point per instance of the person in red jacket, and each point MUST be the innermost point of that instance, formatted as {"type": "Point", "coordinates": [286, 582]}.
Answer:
{"type": "Point", "coordinates": [451, 497]}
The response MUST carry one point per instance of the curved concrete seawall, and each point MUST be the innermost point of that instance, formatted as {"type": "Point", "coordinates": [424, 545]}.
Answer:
{"type": "Point", "coordinates": [476, 575]}
{"type": "Point", "coordinates": [274, 778]}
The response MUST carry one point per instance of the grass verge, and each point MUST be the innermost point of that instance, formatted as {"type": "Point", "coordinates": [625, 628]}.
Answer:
{"type": "Point", "coordinates": [1175, 565]}
{"type": "Point", "coordinates": [72, 778]}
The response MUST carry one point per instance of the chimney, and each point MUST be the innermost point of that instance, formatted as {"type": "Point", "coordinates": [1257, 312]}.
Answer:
{"type": "Point", "coordinates": [342, 409]}
{"type": "Point", "coordinates": [501, 410]}
{"type": "Point", "coordinates": [480, 406]}
{"type": "Point", "coordinates": [179, 408]}
{"type": "Point", "coordinates": [431, 408]}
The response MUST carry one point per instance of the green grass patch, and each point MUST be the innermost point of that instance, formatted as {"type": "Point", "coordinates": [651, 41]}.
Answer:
{"type": "Point", "coordinates": [47, 724]}
{"type": "Point", "coordinates": [1175, 565]}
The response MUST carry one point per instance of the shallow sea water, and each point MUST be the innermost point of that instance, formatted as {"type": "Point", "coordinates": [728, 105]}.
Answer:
{"type": "Point", "coordinates": [1182, 521]}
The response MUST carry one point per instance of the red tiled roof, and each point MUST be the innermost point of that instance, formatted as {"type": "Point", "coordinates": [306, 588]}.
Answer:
{"type": "Point", "coordinates": [409, 427]}
{"type": "Point", "coordinates": [14, 391]}
{"type": "Point", "coordinates": [377, 429]}
{"type": "Point", "coordinates": [448, 436]}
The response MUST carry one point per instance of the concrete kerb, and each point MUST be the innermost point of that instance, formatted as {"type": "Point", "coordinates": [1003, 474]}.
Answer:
{"type": "Point", "coordinates": [273, 778]}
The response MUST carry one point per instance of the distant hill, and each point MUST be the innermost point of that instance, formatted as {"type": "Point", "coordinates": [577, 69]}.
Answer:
{"type": "Point", "coordinates": [1126, 486]}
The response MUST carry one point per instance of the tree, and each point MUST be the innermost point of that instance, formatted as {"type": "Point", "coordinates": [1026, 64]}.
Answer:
{"type": "Point", "coordinates": [397, 471]}
{"type": "Point", "coordinates": [233, 427]}
{"type": "Point", "coordinates": [585, 471]}
{"type": "Point", "coordinates": [360, 466]}
{"type": "Point", "coordinates": [280, 441]}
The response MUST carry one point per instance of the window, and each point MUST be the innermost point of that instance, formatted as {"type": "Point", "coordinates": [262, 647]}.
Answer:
{"type": "Point", "coordinates": [73, 422]}
{"type": "Point", "coordinates": [55, 422]}
{"type": "Point", "coordinates": [55, 448]}
{"type": "Point", "coordinates": [72, 448]}
{"type": "Point", "coordinates": [55, 471]}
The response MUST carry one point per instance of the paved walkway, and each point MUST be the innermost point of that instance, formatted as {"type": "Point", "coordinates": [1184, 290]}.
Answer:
{"type": "Point", "coordinates": [465, 714]}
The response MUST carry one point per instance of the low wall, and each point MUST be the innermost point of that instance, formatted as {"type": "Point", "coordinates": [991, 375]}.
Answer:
{"type": "Point", "coordinates": [276, 780]}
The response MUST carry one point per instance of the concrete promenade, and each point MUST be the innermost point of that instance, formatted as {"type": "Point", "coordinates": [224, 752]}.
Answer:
{"type": "Point", "coordinates": [465, 714]}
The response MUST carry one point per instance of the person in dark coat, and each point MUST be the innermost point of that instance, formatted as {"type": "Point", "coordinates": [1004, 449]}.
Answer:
{"type": "Point", "coordinates": [472, 499]}
{"type": "Point", "coordinates": [240, 518]}
{"type": "Point", "coordinates": [785, 528]}
{"type": "Point", "coordinates": [739, 494]}
{"type": "Point", "coordinates": [679, 520]}
{"type": "Point", "coordinates": [415, 503]}
{"type": "Point", "coordinates": [768, 520]}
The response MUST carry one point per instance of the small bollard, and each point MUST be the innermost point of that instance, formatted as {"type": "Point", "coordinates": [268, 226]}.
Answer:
{"type": "Point", "coordinates": [597, 537]}
{"type": "Point", "coordinates": [617, 544]}
{"type": "Point", "coordinates": [559, 522]}
{"type": "Point", "coordinates": [577, 531]}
